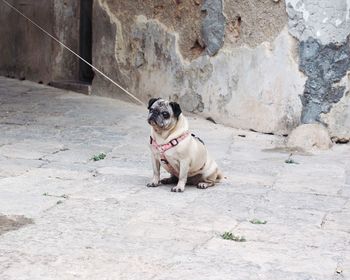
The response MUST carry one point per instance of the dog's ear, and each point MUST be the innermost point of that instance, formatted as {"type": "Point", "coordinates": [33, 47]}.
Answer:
{"type": "Point", "coordinates": [151, 101]}
{"type": "Point", "coordinates": [176, 109]}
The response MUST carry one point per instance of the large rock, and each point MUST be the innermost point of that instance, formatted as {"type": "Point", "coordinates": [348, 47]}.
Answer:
{"type": "Point", "coordinates": [309, 137]}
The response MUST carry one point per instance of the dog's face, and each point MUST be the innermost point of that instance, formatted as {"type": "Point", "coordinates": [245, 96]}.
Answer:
{"type": "Point", "coordinates": [163, 114]}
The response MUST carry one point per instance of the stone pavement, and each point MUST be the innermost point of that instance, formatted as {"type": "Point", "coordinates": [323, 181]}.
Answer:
{"type": "Point", "coordinates": [65, 216]}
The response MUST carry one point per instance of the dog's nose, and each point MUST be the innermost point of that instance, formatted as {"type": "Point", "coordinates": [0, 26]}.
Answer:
{"type": "Point", "coordinates": [152, 117]}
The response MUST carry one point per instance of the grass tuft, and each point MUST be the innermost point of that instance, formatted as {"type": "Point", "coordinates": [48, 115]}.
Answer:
{"type": "Point", "coordinates": [258, 222]}
{"type": "Point", "coordinates": [98, 157]}
{"type": "Point", "coordinates": [289, 160]}
{"type": "Point", "coordinates": [230, 236]}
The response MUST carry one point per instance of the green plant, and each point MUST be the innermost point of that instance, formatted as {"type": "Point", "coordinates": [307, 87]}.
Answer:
{"type": "Point", "coordinates": [230, 236]}
{"type": "Point", "coordinates": [289, 160]}
{"type": "Point", "coordinates": [98, 157]}
{"type": "Point", "coordinates": [258, 222]}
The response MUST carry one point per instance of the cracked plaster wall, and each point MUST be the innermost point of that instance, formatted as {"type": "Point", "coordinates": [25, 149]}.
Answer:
{"type": "Point", "coordinates": [180, 52]}
{"type": "Point", "coordinates": [322, 27]}
{"type": "Point", "coordinates": [266, 65]}
{"type": "Point", "coordinates": [338, 118]}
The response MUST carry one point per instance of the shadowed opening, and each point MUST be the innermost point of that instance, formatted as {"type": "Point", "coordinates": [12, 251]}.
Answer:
{"type": "Point", "coordinates": [86, 73]}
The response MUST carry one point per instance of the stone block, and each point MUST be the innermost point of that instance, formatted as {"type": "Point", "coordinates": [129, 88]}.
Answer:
{"type": "Point", "coordinates": [309, 137]}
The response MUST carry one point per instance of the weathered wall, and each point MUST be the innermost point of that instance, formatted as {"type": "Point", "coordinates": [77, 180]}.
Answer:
{"type": "Point", "coordinates": [25, 52]}
{"type": "Point", "coordinates": [65, 65]}
{"type": "Point", "coordinates": [322, 28]}
{"type": "Point", "coordinates": [264, 65]}
{"type": "Point", "coordinates": [21, 52]}
{"type": "Point", "coordinates": [233, 60]}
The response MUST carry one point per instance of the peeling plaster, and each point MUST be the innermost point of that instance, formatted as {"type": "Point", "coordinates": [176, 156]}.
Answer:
{"type": "Point", "coordinates": [254, 87]}
{"type": "Point", "coordinates": [231, 87]}
{"type": "Point", "coordinates": [325, 19]}
{"type": "Point", "coordinates": [322, 27]}
{"type": "Point", "coordinates": [119, 44]}
{"type": "Point", "coordinates": [338, 118]}
{"type": "Point", "coordinates": [213, 26]}
{"type": "Point", "coordinates": [325, 66]}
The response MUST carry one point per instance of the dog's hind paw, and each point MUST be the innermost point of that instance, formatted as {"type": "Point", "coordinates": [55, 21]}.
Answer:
{"type": "Point", "coordinates": [204, 185]}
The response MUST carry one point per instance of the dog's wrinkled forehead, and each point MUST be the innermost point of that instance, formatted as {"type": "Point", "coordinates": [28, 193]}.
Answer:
{"type": "Point", "coordinates": [161, 105]}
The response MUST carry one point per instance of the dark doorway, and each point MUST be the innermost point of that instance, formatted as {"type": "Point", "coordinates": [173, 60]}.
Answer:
{"type": "Point", "coordinates": [86, 73]}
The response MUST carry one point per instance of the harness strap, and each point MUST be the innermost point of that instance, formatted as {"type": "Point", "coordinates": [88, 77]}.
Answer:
{"type": "Point", "coordinates": [163, 148]}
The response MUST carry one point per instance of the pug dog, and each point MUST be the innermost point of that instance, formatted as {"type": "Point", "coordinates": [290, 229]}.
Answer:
{"type": "Point", "coordinates": [180, 153]}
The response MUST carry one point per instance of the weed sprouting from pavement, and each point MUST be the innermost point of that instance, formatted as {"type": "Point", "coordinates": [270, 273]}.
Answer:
{"type": "Point", "coordinates": [98, 157]}
{"type": "Point", "coordinates": [289, 160]}
{"type": "Point", "coordinates": [230, 236]}
{"type": "Point", "coordinates": [258, 222]}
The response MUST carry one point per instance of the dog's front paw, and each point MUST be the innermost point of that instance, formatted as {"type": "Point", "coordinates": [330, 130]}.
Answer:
{"type": "Point", "coordinates": [178, 189]}
{"type": "Point", "coordinates": [152, 185]}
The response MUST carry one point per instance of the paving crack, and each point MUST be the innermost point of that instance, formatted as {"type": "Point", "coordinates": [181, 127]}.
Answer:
{"type": "Point", "coordinates": [324, 220]}
{"type": "Point", "coordinates": [45, 162]}
{"type": "Point", "coordinates": [202, 244]}
{"type": "Point", "coordinates": [60, 150]}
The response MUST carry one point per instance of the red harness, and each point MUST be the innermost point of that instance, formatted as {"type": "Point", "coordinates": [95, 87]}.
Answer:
{"type": "Point", "coordinates": [163, 148]}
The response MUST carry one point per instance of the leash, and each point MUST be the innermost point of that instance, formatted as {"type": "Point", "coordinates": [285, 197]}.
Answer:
{"type": "Point", "coordinates": [77, 55]}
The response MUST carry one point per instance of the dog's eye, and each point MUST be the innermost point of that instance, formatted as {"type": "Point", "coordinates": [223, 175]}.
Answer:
{"type": "Point", "coordinates": [151, 110]}
{"type": "Point", "coordinates": [165, 115]}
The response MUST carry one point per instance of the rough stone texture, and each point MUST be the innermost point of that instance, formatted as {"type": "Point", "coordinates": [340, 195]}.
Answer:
{"type": "Point", "coordinates": [26, 52]}
{"type": "Point", "coordinates": [239, 95]}
{"type": "Point", "coordinates": [213, 26]}
{"type": "Point", "coordinates": [236, 84]}
{"type": "Point", "coordinates": [154, 57]}
{"type": "Point", "coordinates": [164, 48]}
{"type": "Point", "coordinates": [66, 29]}
{"type": "Point", "coordinates": [310, 136]}
{"type": "Point", "coordinates": [325, 66]}
{"type": "Point", "coordinates": [250, 22]}
{"type": "Point", "coordinates": [338, 119]}
{"type": "Point", "coordinates": [323, 29]}
{"type": "Point", "coordinates": [110, 46]}
{"type": "Point", "coordinates": [201, 24]}
{"type": "Point", "coordinates": [99, 221]}
{"type": "Point", "coordinates": [325, 20]}
{"type": "Point", "coordinates": [22, 45]}
{"type": "Point", "coordinates": [229, 87]}
{"type": "Point", "coordinates": [183, 17]}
